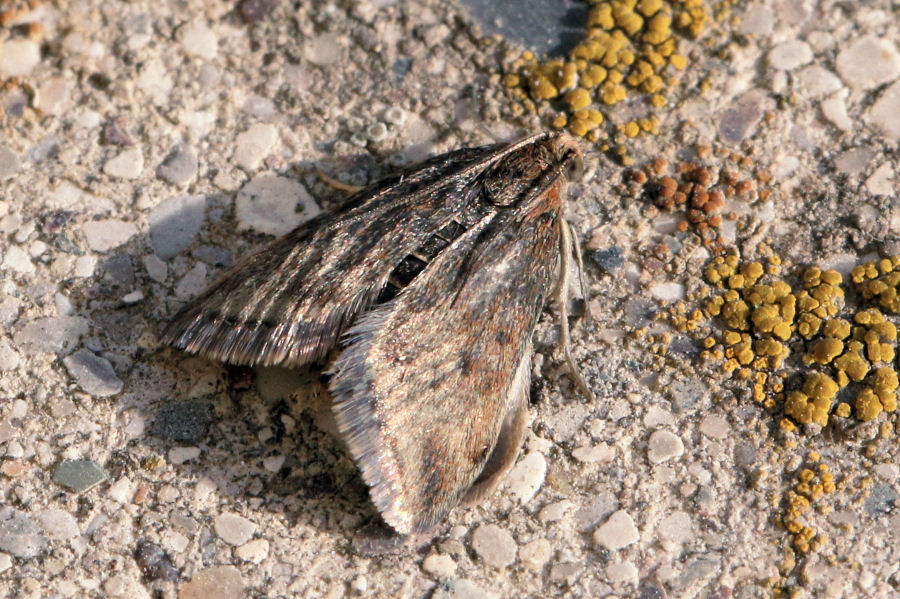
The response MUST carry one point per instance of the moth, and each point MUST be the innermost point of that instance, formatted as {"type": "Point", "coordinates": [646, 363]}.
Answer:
{"type": "Point", "coordinates": [430, 282]}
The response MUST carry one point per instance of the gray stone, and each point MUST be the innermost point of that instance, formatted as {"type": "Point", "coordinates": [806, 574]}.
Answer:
{"type": "Point", "coordinates": [19, 535]}
{"type": "Point", "coordinates": [881, 500]}
{"type": "Point", "coordinates": [738, 121]}
{"type": "Point", "coordinates": [234, 529]}
{"type": "Point", "coordinates": [79, 475]}
{"type": "Point", "coordinates": [58, 524]}
{"type": "Point", "coordinates": [9, 163]}
{"type": "Point", "coordinates": [183, 421]}
{"type": "Point", "coordinates": [610, 259]}
{"type": "Point", "coordinates": [51, 334]}
{"type": "Point", "coordinates": [94, 374]}
{"type": "Point", "coordinates": [175, 223]}
{"type": "Point", "coordinates": [663, 446]}
{"type": "Point", "coordinates": [179, 167]}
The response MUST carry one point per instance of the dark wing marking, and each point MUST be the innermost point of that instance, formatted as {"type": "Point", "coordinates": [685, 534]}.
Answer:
{"type": "Point", "coordinates": [288, 303]}
{"type": "Point", "coordinates": [428, 379]}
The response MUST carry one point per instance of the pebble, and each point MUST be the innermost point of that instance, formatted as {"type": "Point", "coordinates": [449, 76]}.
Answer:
{"type": "Point", "coordinates": [155, 81]}
{"type": "Point", "coordinates": [610, 259]}
{"type": "Point", "coordinates": [663, 446]}
{"type": "Point", "coordinates": [535, 554]}
{"type": "Point", "coordinates": [622, 572]}
{"type": "Point", "coordinates": [58, 524]}
{"type": "Point", "coordinates": [617, 532]}
{"type": "Point", "coordinates": [600, 507]}
{"type": "Point", "coordinates": [715, 426]}
{"type": "Point", "coordinates": [174, 225]}
{"type": "Point", "coordinates": [883, 113]}
{"type": "Point", "coordinates": [234, 529]}
{"type": "Point", "coordinates": [527, 476]}
{"type": "Point", "coordinates": [854, 160]}
{"type": "Point", "coordinates": [324, 50]}
{"type": "Point", "coordinates": [182, 421]}
{"type": "Point", "coordinates": [555, 511]}
{"type": "Point", "coordinates": [667, 292]}
{"type": "Point", "coordinates": [174, 541]}
{"type": "Point", "coordinates": [269, 204]}
{"type": "Point", "coordinates": [598, 453]}
{"type": "Point", "coordinates": [220, 582]}
{"type": "Point", "coordinates": [869, 62]}
{"type": "Point", "coordinates": [94, 374]}
{"type": "Point", "coordinates": [494, 545]}
{"type": "Point", "coordinates": [817, 82]}
{"type": "Point", "coordinates": [835, 110]}
{"type": "Point", "coordinates": [127, 165]}
{"type": "Point", "coordinates": [758, 20]}
{"type": "Point", "coordinates": [18, 57]}
{"type": "Point", "coordinates": [5, 561]}
{"type": "Point", "coordinates": [197, 39]}
{"type": "Point", "coordinates": [676, 528]}
{"type": "Point", "coordinates": [155, 563]}
{"type": "Point", "coordinates": [156, 268]}
{"type": "Point", "coordinates": [179, 167]}
{"type": "Point", "coordinates": [9, 163]}
{"type": "Point", "coordinates": [19, 535]}
{"type": "Point", "coordinates": [180, 455]}
{"type": "Point", "coordinates": [439, 565]}
{"type": "Point", "coordinates": [79, 475]}
{"type": "Point", "coordinates": [52, 334]}
{"type": "Point", "coordinates": [879, 182]}
{"type": "Point", "coordinates": [52, 95]}
{"type": "Point", "coordinates": [253, 145]}
{"type": "Point", "coordinates": [738, 121]}
{"type": "Point", "coordinates": [106, 234]}
{"type": "Point", "coordinates": [17, 259]}
{"type": "Point", "coordinates": [882, 500]}
{"type": "Point", "coordinates": [253, 551]}
{"type": "Point", "coordinates": [789, 55]}
{"type": "Point", "coordinates": [565, 572]}
{"type": "Point", "coordinates": [122, 490]}
{"type": "Point", "coordinates": [462, 589]}
{"type": "Point", "coordinates": [192, 283]}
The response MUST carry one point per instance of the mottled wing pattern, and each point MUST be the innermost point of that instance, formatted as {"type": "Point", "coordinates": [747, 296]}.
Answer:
{"type": "Point", "coordinates": [288, 303]}
{"type": "Point", "coordinates": [398, 391]}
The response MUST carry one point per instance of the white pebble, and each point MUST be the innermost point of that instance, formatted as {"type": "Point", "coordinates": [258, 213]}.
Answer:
{"type": "Point", "coordinates": [494, 545]}
{"type": "Point", "coordinates": [676, 528]}
{"type": "Point", "coordinates": [617, 532]}
{"type": "Point", "coordinates": [18, 57]}
{"type": "Point", "coordinates": [883, 113]}
{"type": "Point", "coordinates": [527, 476]}
{"type": "Point", "coordinates": [715, 426]}
{"type": "Point", "coordinates": [127, 165]}
{"type": "Point", "coordinates": [868, 62]}
{"type": "Point", "coordinates": [663, 446]}
{"type": "Point", "coordinates": [180, 455]}
{"type": "Point", "coordinates": [269, 204]}
{"type": "Point", "coordinates": [835, 110]}
{"type": "Point", "coordinates": [17, 259]}
{"type": "Point", "coordinates": [253, 551]}
{"type": "Point", "coordinates": [439, 565]}
{"type": "Point", "coordinates": [233, 528]}
{"type": "Point", "coordinates": [790, 54]}
{"type": "Point", "coordinates": [622, 572]}
{"type": "Point", "coordinates": [254, 145]}
{"type": "Point", "coordinates": [197, 39]}
{"type": "Point", "coordinates": [667, 292]}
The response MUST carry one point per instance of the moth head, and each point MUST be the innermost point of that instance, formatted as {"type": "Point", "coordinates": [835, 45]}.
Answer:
{"type": "Point", "coordinates": [549, 160]}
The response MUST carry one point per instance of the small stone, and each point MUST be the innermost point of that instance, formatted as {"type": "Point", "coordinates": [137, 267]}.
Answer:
{"type": "Point", "coordinates": [883, 113]}
{"type": "Point", "coordinates": [599, 453]}
{"type": "Point", "coordinates": [79, 475]}
{"type": "Point", "coordinates": [854, 160]}
{"type": "Point", "coordinates": [156, 564]}
{"type": "Point", "coordinates": [869, 62]}
{"type": "Point", "coordinates": [174, 225]}
{"type": "Point", "coordinates": [663, 446]}
{"type": "Point", "coordinates": [324, 50]}
{"type": "Point", "coordinates": [17, 259]}
{"type": "Point", "coordinates": [617, 532]}
{"type": "Point", "coordinates": [758, 20]}
{"type": "Point", "coordinates": [269, 204]}
{"type": "Point", "coordinates": [610, 259]}
{"type": "Point", "coordinates": [179, 167]}
{"type": "Point", "coordinates": [155, 81]}
{"type": "Point", "coordinates": [565, 572]}
{"type": "Point", "coordinates": [127, 165]}
{"type": "Point", "coordinates": [253, 551]}
{"type": "Point", "coordinates": [220, 582]}
{"type": "Point", "coordinates": [879, 183]}
{"type": "Point", "coordinates": [14, 450]}
{"type": "Point", "coordinates": [95, 375]}
{"type": "Point", "coordinates": [234, 529]}
{"type": "Point", "coordinates": [789, 55]}
{"type": "Point", "coordinates": [439, 565]}
{"type": "Point", "coordinates": [494, 545]}
{"type": "Point", "coordinates": [882, 500]}
{"type": "Point", "coordinates": [52, 95]}
{"type": "Point", "coordinates": [739, 120]}
{"type": "Point", "coordinates": [715, 426]}
{"type": "Point", "coordinates": [156, 268]}
{"type": "Point", "coordinates": [835, 110]}
{"type": "Point", "coordinates": [104, 235]}
{"type": "Point", "coordinates": [676, 528]}
{"type": "Point", "coordinates": [622, 572]}
{"type": "Point", "coordinates": [555, 511]}
{"type": "Point", "coordinates": [527, 476]}
{"type": "Point", "coordinates": [197, 39]}
{"type": "Point", "coordinates": [182, 421]}
{"type": "Point", "coordinates": [9, 163]}
{"type": "Point", "coordinates": [817, 82]}
{"type": "Point", "coordinates": [5, 562]}
{"type": "Point", "coordinates": [53, 334]}
{"type": "Point", "coordinates": [19, 535]}
{"type": "Point", "coordinates": [180, 455]}
{"type": "Point", "coordinates": [461, 589]}
{"type": "Point", "coordinates": [253, 145]}
{"type": "Point", "coordinates": [273, 463]}
{"type": "Point", "coordinates": [667, 292]}
{"type": "Point", "coordinates": [58, 524]}
{"type": "Point", "coordinates": [18, 57]}
{"type": "Point", "coordinates": [536, 554]}
{"type": "Point", "coordinates": [116, 133]}
{"type": "Point", "coordinates": [122, 490]}
{"type": "Point", "coordinates": [13, 468]}
{"type": "Point", "coordinates": [192, 283]}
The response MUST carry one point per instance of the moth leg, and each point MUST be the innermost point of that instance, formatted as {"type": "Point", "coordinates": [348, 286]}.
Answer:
{"type": "Point", "coordinates": [512, 431]}
{"type": "Point", "coordinates": [579, 262]}
{"type": "Point", "coordinates": [337, 184]}
{"type": "Point", "coordinates": [562, 298]}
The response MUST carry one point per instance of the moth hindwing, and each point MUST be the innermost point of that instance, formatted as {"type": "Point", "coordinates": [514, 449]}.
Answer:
{"type": "Point", "coordinates": [435, 277]}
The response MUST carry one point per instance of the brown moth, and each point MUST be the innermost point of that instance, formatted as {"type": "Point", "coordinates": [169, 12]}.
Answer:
{"type": "Point", "coordinates": [431, 282]}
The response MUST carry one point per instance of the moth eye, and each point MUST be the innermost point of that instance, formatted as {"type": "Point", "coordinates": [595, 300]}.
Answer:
{"type": "Point", "coordinates": [574, 167]}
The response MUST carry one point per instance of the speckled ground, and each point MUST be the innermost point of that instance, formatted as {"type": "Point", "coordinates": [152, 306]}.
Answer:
{"type": "Point", "coordinates": [146, 146]}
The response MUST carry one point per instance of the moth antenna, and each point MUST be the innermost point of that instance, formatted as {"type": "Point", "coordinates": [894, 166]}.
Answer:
{"type": "Point", "coordinates": [576, 250]}
{"type": "Point", "coordinates": [337, 184]}
{"type": "Point", "coordinates": [562, 298]}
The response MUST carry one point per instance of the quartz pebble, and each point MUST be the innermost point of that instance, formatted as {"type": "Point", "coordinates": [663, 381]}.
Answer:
{"type": "Point", "coordinates": [106, 234]}
{"type": "Point", "coordinates": [128, 164]}
{"type": "Point", "coordinates": [663, 446]}
{"type": "Point", "coordinates": [462, 589]}
{"type": "Point", "coordinates": [253, 145]}
{"type": "Point", "coordinates": [58, 524]}
{"type": "Point", "coordinates": [439, 565]}
{"type": "Point", "coordinates": [883, 113]}
{"type": "Point", "coordinates": [676, 528]}
{"type": "Point", "coordinates": [715, 426]}
{"type": "Point", "coordinates": [834, 109]}
{"type": "Point", "coordinates": [739, 119]}
{"type": "Point", "coordinates": [19, 535]}
{"type": "Point", "coordinates": [598, 453]}
{"type": "Point", "coordinates": [269, 204]}
{"type": "Point", "coordinates": [197, 39]}
{"type": "Point", "coordinates": [52, 334]}
{"type": "Point", "coordinates": [494, 545]}
{"type": "Point", "coordinates": [18, 57]}
{"type": "Point", "coordinates": [527, 476]}
{"type": "Point", "coordinates": [789, 55]}
{"type": "Point", "coordinates": [94, 374]}
{"type": "Point", "coordinates": [869, 62]}
{"type": "Point", "coordinates": [52, 95]}
{"type": "Point", "coordinates": [220, 582]}
{"type": "Point", "coordinates": [234, 529]}
{"type": "Point", "coordinates": [17, 259]}
{"type": "Point", "coordinates": [535, 554]}
{"type": "Point", "coordinates": [622, 572]}
{"type": "Point", "coordinates": [817, 82]}
{"type": "Point", "coordinates": [324, 50]}
{"type": "Point", "coordinates": [174, 225]}
{"type": "Point", "coordinates": [9, 163]}
{"type": "Point", "coordinates": [617, 532]}
{"type": "Point", "coordinates": [179, 167]}
{"type": "Point", "coordinates": [253, 551]}
{"type": "Point", "coordinates": [180, 455]}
